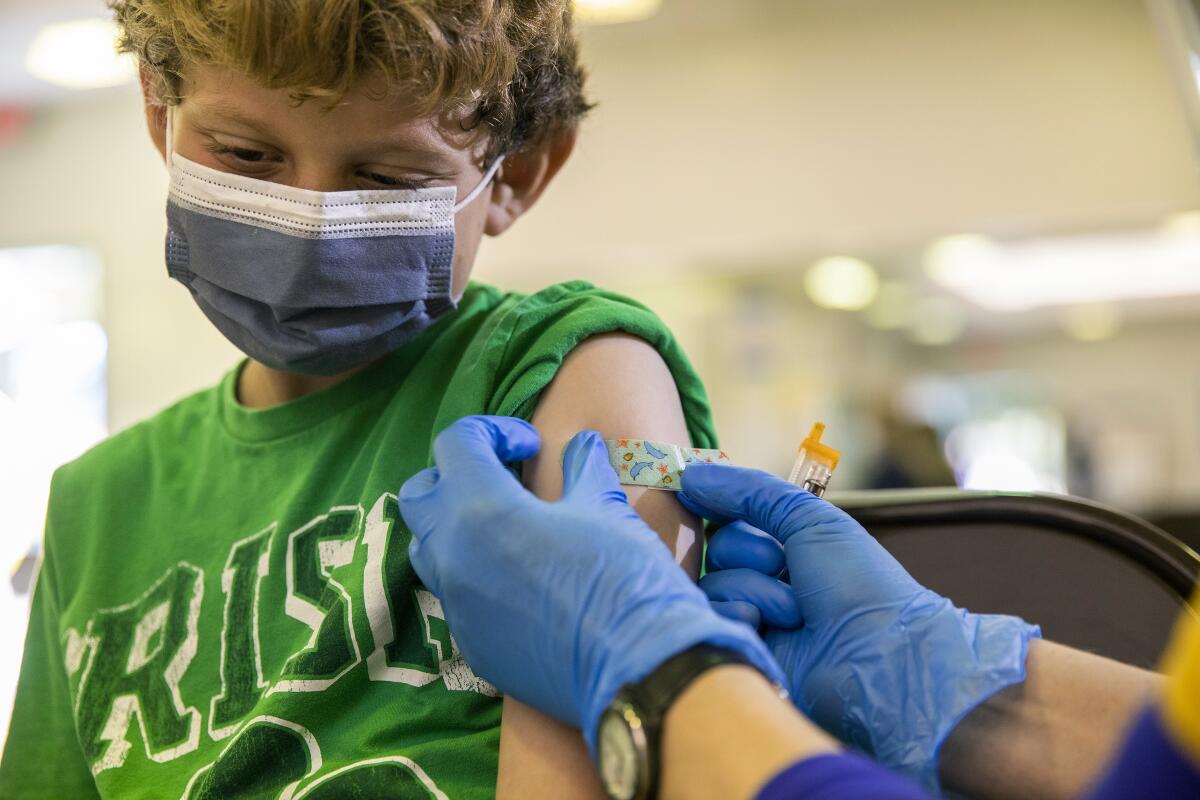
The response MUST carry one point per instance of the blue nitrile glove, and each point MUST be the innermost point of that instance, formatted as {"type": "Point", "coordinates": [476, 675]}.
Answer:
{"type": "Point", "coordinates": [739, 546]}
{"type": "Point", "coordinates": [880, 661]}
{"type": "Point", "coordinates": [558, 604]}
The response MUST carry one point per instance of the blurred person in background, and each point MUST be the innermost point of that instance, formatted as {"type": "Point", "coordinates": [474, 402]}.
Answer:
{"type": "Point", "coordinates": [910, 455]}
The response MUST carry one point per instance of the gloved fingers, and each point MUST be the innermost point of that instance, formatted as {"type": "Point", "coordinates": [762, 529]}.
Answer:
{"type": "Point", "coordinates": [587, 470]}
{"type": "Point", "coordinates": [774, 599]}
{"type": "Point", "coordinates": [770, 504]}
{"type": "Point", "coordinates": [739, 544]}
{"type": "Point", "coordinates": [480, 446]}
{"type": "Point", "coordinates": [738, 611]}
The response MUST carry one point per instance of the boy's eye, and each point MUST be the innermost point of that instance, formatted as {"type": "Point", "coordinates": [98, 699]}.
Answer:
{"type": "Point", "coordinates": [240, 156]}
{"type": "Point", "coordinates": [392, 181]}
{"type": "Point", "coordinates": [247, 155]}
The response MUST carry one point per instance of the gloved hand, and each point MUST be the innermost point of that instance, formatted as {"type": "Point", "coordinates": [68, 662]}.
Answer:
{"type": "Point", "coordinates": [880, 661]}
{"type": "Point", "coordinates": [558, 604]}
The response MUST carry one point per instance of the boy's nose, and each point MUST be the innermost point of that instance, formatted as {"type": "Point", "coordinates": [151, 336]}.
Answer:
{"type": "Point", "coordinates": [317, 179]}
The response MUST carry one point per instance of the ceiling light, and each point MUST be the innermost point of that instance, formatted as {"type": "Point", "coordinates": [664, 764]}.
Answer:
{"type": "Point", "coordinates": [842, 283]}
{"type": "Point", "coordinates": [893, 307]}
{"type": "Point", "coordinates": [937, 321]}
{"type": "Point", "coordinates": [1092, 323]}
{"type": "Point", "coordinates": [603, 12]}
{"type": "Point", "coordinates": [1067, 270]}
{"type": "Point", "coordinates": [80, 54]}
{"type": "Point", "coordinates": [948, 254]}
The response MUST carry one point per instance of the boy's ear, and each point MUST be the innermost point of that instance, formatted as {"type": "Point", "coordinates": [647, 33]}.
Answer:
{"type": "Point", "coordinates": [156, 113]}
{"type": "Point", "coordinates": [523, 177]}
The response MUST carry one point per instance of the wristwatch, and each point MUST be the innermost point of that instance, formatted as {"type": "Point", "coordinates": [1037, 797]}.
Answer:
{"type": "Point", "coordinates": [628, 735]}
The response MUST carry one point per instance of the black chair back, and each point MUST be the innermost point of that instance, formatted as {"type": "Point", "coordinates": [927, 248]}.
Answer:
{"type": "Point", "coordinates": [1093, 577]}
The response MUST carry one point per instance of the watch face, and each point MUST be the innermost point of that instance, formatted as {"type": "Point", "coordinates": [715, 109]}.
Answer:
{"type": "Point", "coordinates": [618, 756]}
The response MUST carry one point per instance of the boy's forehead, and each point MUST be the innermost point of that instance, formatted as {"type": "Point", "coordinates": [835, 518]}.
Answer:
{"type": "Point", "coordinates": [367, 115]}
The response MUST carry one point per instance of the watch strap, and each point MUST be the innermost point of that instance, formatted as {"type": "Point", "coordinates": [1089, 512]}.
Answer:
{"type": "Point", "coordinates": [652, 697]}
{"type": "Point", "coordinates": [655, 693]}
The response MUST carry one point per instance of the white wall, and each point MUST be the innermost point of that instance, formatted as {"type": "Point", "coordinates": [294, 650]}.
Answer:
{"type": "Point", "coordinates": [849, 124]}
{"type": "Point", "coordinates": [776, 131]}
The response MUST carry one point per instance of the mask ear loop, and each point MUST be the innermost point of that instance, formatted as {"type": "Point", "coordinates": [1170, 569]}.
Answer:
{"type": "Point", "coordinates": [170, 150]}
{"type": "Point", "coordinates": [483, 183]}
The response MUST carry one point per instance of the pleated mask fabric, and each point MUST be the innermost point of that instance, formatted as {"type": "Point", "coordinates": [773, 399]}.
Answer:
{"type": "Point", "coordinates": [311, 282]}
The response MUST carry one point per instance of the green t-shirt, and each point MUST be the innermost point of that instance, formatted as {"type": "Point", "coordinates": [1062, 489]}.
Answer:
{"type": "Point", "coordinates": [226, 606]}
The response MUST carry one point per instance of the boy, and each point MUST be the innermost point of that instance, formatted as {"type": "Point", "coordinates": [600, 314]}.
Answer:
{"type": "Point", "coordinates": [226, 607]}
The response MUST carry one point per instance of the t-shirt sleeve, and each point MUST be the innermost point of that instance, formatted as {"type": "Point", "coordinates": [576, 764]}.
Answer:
{"type": "Point", "coordinates": [42, 757]}
{"type": "Point", "coordinates": [839, 777]}
{"type": "Point", "coordinates": [531, 340]}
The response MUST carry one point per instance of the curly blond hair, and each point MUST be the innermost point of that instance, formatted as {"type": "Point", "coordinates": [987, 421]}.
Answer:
{"type": "Point", "coordinates": [512, 64]}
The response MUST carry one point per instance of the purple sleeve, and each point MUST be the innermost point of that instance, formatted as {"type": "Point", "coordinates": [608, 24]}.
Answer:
{"type": "Point", "coordinates": [839, 777]}
{"type": "Point", "coordinates": [1148, 765]}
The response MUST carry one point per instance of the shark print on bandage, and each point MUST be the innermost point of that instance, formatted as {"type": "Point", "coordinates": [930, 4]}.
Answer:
{"type": "Point", "coordinates": [656, 465]}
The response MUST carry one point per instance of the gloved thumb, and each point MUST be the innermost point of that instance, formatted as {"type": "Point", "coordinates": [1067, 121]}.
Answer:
{"type": "Point", "coordinates": [721, 492]}
{"type": "Point", "coordinates": [587, 472]}
{"type": "Point", "coordinates": [475, 449]}
{"type": "Point", "coordinates": [419, 485]}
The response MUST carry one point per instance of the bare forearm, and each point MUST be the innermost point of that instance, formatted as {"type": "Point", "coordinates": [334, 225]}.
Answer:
{"type": "Point", "coordinates": [537, 751]}
{"type": "Point", "coordinates": [1050, 736]}
{"type": "Point", "coordinates": [729, 733]}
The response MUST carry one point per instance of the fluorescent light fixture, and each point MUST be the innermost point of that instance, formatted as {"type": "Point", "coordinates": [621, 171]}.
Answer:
{"type": "Point", "coordinates": [604, 12]}
{"type": "Point", "coordinates": [842, 283]}
{"type": "Point", "coordinates": [80, 54]}
{"type": "Point", "coordinates": [1067, 270]}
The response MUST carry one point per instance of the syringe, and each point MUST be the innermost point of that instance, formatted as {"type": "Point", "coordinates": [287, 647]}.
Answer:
{"type": "Point", "coordinates": [815, 462]}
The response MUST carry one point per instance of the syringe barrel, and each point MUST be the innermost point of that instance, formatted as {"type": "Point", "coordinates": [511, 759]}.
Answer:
{"type": "Point", "coordinates": [811, 474]}
{"type": "Point", "coordinates": [815, 462]}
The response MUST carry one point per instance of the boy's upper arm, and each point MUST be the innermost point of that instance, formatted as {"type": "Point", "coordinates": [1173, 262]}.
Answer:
{"type": "Point", "coordinates": [620, 386]}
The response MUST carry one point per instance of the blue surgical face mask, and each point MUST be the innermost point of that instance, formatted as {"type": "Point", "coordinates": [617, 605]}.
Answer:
{"type": "Point", "coordinates": [311, 282]}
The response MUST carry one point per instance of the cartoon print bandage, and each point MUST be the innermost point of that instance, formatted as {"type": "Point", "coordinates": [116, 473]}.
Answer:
{"type": "Point", "coordinates": [657, 465]}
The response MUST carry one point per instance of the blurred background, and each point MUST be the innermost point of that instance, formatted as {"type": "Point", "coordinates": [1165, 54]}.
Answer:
{"type": "Point", "coordinates": [966, 235]}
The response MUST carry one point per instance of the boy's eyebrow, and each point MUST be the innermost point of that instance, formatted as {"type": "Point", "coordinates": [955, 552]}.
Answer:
{"type": "Point", "coordinates": [234, 114]}
{"type": "Point", "coordinates": [229, 112]}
